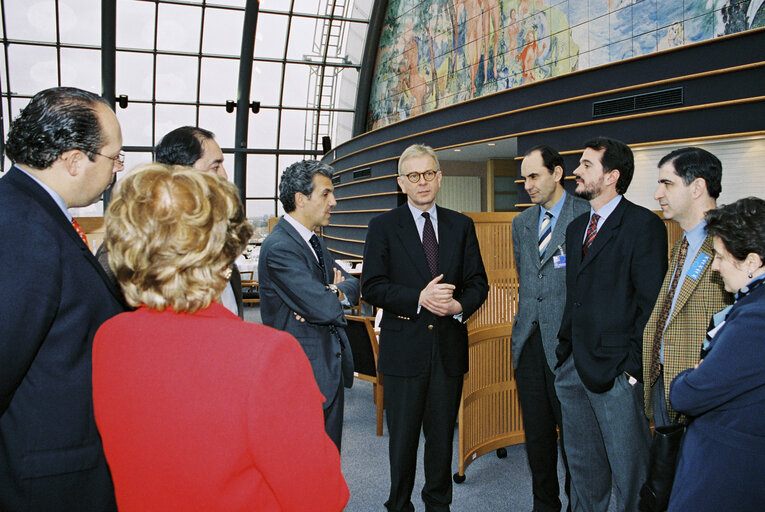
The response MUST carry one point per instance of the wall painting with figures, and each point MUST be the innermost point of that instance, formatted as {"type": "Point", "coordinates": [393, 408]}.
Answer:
{"type": "Point", "coordinates": [435, 53]}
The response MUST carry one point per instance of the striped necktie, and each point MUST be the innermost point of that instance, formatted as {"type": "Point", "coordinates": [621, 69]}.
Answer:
{"type": "Point", "coordinates": [654, 370]}
{"type": "Point", "coordinates": [545, 234]}
{"type": "Point", "coordinates": [592, 231]}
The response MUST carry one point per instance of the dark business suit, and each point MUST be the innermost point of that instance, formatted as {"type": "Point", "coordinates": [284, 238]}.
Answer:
{"type": "Point", "coordinates": [609, 296]}
{"type": "Point", "coordinates": [721, 460]}
{"type": "Point", "coordinates": [53, 297]}
{"type": "Point", "coordinates": [542, 297]}
{"type": "Point", "coordinates": [291, 281]}
{"type": "Point", "coordinates": [422, 356]}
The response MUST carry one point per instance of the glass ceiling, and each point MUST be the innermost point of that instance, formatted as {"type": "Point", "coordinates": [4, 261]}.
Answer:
{"type": "Point", "coordinates": [178, 64]}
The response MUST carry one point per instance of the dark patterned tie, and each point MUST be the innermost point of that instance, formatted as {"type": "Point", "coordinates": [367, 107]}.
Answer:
{"type": "Point", "coordinates": [80, 232]}
{"type": "Point", "coordinates": [430, 244]}
{"type": "Point", "coordinates": [661, 321]}
{"type": "Point", "coordinates": [592, 231]}
{"type": "Point", "coordinates": [545, 234]}
{"type": "Point", "coordinates": [314, 240]}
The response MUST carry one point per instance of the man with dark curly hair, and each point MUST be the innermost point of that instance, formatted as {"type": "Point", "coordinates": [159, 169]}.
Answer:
{"type": "Point", "coordinates": [65, 146]}
{"type": "Point", "coordinates": [303, 290]}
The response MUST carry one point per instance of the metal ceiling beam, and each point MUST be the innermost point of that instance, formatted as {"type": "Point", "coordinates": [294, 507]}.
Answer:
{"type": "Point", "coordinates": [243, 96]}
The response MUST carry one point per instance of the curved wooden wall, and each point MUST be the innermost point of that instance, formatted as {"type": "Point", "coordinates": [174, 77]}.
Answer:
{"type": "Point", "coordinates": [490, 413]}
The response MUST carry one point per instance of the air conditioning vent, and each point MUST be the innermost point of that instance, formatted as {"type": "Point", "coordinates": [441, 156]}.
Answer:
{"type": "Point", "coordinates": [657, 99]}
{"type": "Point", "coordinates": [336, 179]}
{"type": "Point", "coordinates": [362, 173]}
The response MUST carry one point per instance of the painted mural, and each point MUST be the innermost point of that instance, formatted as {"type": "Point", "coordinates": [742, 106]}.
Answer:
{"type": "Point", "coordinates": [435, 53]}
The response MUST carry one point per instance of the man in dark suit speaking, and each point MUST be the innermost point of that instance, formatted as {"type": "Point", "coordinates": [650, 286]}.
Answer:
{"type": "Point", "coordinates": [65, 146]}
{"type": "Point", "coordinates": [617, 256]}
{"type": "Point", "coordinates": [422, 265]}
{"type": "Point", "coordinates": [302, 290]}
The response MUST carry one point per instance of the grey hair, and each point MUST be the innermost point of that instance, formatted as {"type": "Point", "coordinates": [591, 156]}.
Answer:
{"type": "Point", "coordinates": [416, 150]}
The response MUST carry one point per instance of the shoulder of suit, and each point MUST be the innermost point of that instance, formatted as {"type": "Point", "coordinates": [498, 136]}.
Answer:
{"type": "Point", "coordinates": [446, 213]}
{"type": "Point", "coordinates": [635, 211]}
{"type": "Point", "coordinates": [393, 213]}
{"type": "Point", "coordinates": [528, 213]}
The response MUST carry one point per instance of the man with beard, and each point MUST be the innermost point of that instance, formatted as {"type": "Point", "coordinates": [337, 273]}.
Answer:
{"type": "Point", "coordinates": [617, 257]}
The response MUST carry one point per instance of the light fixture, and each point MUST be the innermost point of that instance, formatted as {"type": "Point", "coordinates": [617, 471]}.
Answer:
{"type": "Point", "coordinates": [491, 144]}
{"type": "Point", "coordinates": [457, 150]}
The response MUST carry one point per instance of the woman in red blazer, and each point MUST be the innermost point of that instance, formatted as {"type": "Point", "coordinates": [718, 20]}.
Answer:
{"type": "Point", "coordinates": [197, 409]}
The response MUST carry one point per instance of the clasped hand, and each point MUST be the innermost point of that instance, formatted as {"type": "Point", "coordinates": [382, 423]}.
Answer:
{"type": "Point", "coordinates": [438, 298]}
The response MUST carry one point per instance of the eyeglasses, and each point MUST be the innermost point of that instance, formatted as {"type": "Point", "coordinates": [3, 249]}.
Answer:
{"type": "Point", "coordinates": [118, 160]}
{"type": "Point", "coordinates": [429, 175]}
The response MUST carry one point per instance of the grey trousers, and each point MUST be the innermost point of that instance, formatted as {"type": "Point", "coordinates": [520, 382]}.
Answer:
{"type": "Point", "coordinates": [607, 440]}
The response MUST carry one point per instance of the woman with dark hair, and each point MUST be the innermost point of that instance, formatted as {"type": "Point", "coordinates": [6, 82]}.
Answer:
{"type": "Point", "coordinates": [197, 409]}
{"type": "Point", "coordinates": [722, 460]}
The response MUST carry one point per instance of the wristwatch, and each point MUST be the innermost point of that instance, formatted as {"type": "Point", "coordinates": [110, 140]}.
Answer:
{"type": "Point", "coordinates": [334, 289]}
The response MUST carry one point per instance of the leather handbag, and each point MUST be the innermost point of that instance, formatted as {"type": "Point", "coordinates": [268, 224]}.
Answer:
{"type": "Point", "coordinates": [665, 447]}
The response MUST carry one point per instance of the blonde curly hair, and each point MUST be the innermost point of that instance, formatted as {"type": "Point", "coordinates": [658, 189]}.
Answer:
{"type": "Point", "coordinates": [171, 235]}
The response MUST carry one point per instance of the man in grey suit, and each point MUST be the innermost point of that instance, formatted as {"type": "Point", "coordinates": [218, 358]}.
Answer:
{"type": "Point", "coordinates": [539, 249]}
{"type": "Point", "coordinates": [302, 290]}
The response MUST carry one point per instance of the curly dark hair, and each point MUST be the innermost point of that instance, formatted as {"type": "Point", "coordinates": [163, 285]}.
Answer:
{"type": "Point", "coordinates": [298, 177]}
{"type": "Point", "coordinates": [740, 226]}
{"type": "Point", "coordinates": [618, 156]}
{"type": "Point", "coordinates": [691, 163]}
{"type": "Point", "coordinates": [55, 120]}
{"type": "Point", "coordinates": [182, 146]}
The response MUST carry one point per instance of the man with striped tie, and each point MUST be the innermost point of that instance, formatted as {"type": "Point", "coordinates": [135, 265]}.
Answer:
{"type": "Point", "coordinates": [539, 249]}
{"type": "Point", "coordinates": [66, 148]}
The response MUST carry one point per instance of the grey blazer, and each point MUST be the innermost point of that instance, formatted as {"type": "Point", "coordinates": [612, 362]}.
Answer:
{"type": "Point", "coordinates": [542, 294]}
{"type": "Point", "coordinates": [290, 281]}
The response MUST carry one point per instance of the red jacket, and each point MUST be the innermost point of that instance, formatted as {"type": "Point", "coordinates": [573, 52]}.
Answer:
{"type": "Point", "coordinates": [206, 412]}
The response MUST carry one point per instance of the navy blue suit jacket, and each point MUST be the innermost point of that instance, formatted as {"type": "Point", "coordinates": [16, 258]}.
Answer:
{"type": "Point", "coordinates": [720, 465]}
{"type": "Point", "coordinates": [395, 272]}
{"type": "Point", "coordinates": [610, 293]}
{"type": "Point", "coordinates": [53, 297]}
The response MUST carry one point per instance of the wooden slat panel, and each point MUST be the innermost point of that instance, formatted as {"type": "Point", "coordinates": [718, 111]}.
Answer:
{"type": "Point", "coordinates": [490, 413]}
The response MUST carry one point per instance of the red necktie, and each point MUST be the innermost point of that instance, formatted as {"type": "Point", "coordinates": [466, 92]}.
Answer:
{"type": "Point", "coordinates": [592, 230]}
{"type": "Point", "coordinates": [80, 232]}
{"type": "Point", "coordinates": [661, 322]}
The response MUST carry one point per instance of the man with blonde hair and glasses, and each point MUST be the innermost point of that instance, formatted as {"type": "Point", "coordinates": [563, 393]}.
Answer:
{"type": "Point", "coordinates": [422, 265]}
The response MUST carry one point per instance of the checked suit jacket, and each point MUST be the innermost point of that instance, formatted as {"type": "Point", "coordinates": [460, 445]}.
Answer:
{"type": "Point", "coordinates": [542, 292]}
{"type": "Point", "coordinates": [686, 329]}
